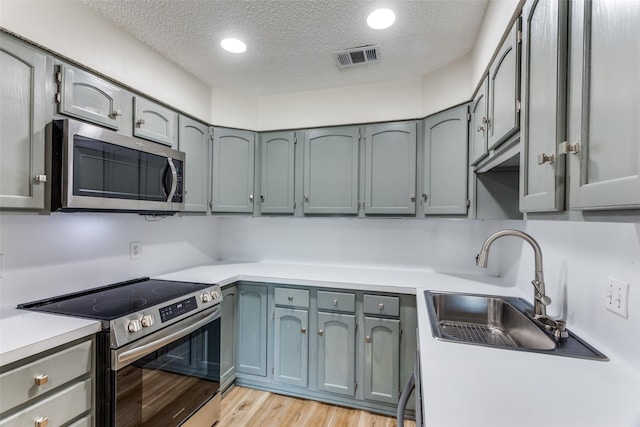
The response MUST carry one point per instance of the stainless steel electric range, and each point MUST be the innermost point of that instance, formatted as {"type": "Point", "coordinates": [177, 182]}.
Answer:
{"type": "Point", "coordinates": [158, 356]}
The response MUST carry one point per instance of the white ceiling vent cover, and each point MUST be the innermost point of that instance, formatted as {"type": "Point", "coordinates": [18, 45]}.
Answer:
{"type": "Point", "coordinates": [357, 56]}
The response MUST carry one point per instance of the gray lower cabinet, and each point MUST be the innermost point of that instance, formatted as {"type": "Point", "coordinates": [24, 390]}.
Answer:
{"type": "Point", "coordinates": [390, 169]}
{"type": "Point", "coordinates": [478, 133]}
{"type": "Point", "coordinates": [291, 346]}
{"type": "Point", "coordinates": [91, 98]}
{"type": "Point", "coordinates": [331, 171]}
{"type": "Point", "coordinates": [53, 388]}
{"type": "Point", "coordinates": [229, 325]}
{"type": "Point", "coordinates": [232, 171]}
{"type": "Point", "coordinates": [504, 90]}
{"type": "Point", "coordinates": [544, 64]}
{"type": "Point", "coordinates": [24, 113]}
{"type": "Point", "coordinates": [155, 122]}
{"type": "Point", "coordinates": [195, 142]}
{"type": "Point", "coordinates": [604, 129]}
{"type": "Point", "coordinates": [444, 163]}
{"type": "Point", "coordinates": [277, 152]}
{"type": "Point", "coordinates": [251, 357]}
{"type": "Point", "coordinates": [336, 353]}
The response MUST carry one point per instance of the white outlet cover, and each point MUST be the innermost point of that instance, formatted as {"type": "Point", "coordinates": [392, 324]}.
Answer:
{"type": "Point", "coordinates": [135, 250]}
{"type": "Point", "coordinates": [617, 297]}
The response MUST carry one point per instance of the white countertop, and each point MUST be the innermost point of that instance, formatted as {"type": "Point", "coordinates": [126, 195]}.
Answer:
{"type": "Point", "coordinates": [463, 385]}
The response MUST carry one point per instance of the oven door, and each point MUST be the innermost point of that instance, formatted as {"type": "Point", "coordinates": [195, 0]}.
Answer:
{"type": "Point", "coordinates": [170, 376]}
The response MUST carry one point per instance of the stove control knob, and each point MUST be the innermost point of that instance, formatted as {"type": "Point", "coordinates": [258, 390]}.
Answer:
{"type": "Point", "coordinates": [206, 298]}
{"type": "Point", "coordinates": [147, 320]}
{"type": "Point", "coordinates": [134, 326]}
{"type": "Point", "coordinates": [214, 294]}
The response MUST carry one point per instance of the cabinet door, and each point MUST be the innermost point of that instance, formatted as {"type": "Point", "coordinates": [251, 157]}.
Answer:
{"type": "Point", "coordinates": [605, 59]}
{"type": "Point", "coordinates": [252, 330]}
{"type": "Point", "coordinates": [444, 189]}
{"type": "Point", "coordinates": [291, 347]}
{"type": "Point", "coordinates": [504, 90]}
{"type": "Point", "coordinates": [337, 353]}
{"type": "Point", "coordinates": [154, 122]}
{"type": "Point", "coordinates": [232, 170]}
{"type": "Point", "coordinates": [478, 132]}
{"type": "Point", "coordinates": [195, 142]}
{"type": "Point", "coordinates": [390, 169]}
{"type": "Point", "coordinates": [228, 337]}
{"type": "Point", "coordinates": [278, 162]}
{"type": "Point", "coordinates": [382, 359]}
{"type": "Point", "coordinates": [23, 117]}
{"type": "Point", "coordinates": [90, 98]}
{"type": "Point", "coordinates": [544, 105]}
{"type": "Point", "coordinates": [331, 171]}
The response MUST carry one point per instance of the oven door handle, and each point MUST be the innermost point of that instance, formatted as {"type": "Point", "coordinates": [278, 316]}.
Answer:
{"type": "Point", "coordinates": [145, 349]}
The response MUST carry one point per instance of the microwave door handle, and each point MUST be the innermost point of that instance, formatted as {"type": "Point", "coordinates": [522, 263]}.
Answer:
{"type": "Point", "coordinates": [174, 179]}
{"type": "Point", "coordinates": [145, 349]}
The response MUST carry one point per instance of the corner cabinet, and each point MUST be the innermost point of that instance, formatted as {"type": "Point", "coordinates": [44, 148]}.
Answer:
{"type": "Point", "coordinates": [544, 59]}
{"type": "Point", "coordinates": [331, 171]}
{"type": "Point", "coordinates": [604, 130]}
{"type": "Point", "coordinates": [232, 171]}
{"type": "Point", "coordinates": [195, 142]}
{"type": "Point", "coordinates": [444, 163]}
{"type": "Point", "coordinates": [277, 152]}
{"type": "Point", "coordinates": [390, 169]}
{"type": "Point", "coordinates": [24, 114]}
{"type": "Point", "coordinates": [504, 90]}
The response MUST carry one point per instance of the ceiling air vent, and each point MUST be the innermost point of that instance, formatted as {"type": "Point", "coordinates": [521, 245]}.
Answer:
{"type": "Point", "coordinates": [357, 56]}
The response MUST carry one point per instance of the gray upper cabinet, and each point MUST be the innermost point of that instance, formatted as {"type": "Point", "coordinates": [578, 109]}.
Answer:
{"type": "Point", "coordinates": [444, 163]}
{"type": "Point", "coordinates": [232, 171]}
{"type": "Point", "coordinates": [291, 349]}
{"type": "Point", "coordinates": [277, 172]}
{"type": "Point", "coordinates": [478, 134]}
{"type": "Point", "coordinates": [88, 97]}
{"type": "Point", "coordinates": [331, 171]}
{"type": "Point", "coordinates": [195, 143]}
{"type": "Point", "coordinates": [24, 113]}
{"type": "Point", "coordinates": [504, 90]}
{"type": "Point", "coordinates": [382, 359]}
{"type": "Point", "coordinates": [154, 122]}
{"type": "Point", "coordinates": [604, 126]}
{"type": "Point", "coordinates": [390, 169]}
{"type": "Point", "coordinates": [544, 62]}
{"type": "Point", "coordinates": [252, 330]}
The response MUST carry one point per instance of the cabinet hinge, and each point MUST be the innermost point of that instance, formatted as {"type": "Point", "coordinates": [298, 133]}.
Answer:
{"type": "Point", "coordinates": [59, 77]}
{"type": "Point", "coordinates": [273, 371]}
{"type": "Point", "coordinates": [468, 117]}
{"type": "Point", "coordinates": [359, 136]}
{"type": "Point", "coordinates": [355, 386]}
{"type": "Point", "coordinates": [399, 392]}
{"type": "Point", "coordinates": [519, 36]}
{"type": "Point", "coordinates": [58, 98]}
{"type": "Point", "coordinates": [274, 315]}
{"type": "Point", "coordinates": [518, 106]}
{"type": "Point", "coordinates": [468, 202]}
{"type": "Point", "coordinates": [294, 206]}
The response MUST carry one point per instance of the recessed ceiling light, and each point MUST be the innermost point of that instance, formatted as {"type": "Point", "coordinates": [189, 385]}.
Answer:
{"type": "Point", "coordinates": [380, 19]}
{"type": "Point", "coordinates": [233, 45]}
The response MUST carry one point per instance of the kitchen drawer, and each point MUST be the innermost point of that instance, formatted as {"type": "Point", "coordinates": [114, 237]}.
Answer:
{"type": "Point", "coordinates": [289, 297]}
{"type": "Point", "coordinates": [58, 409]}
{"type": "Point", "coordinates": [19, 385]}
{"type": "Point", "coordinates": [382, 305]}
{"type": "Point", "coordinates": [336, 301]}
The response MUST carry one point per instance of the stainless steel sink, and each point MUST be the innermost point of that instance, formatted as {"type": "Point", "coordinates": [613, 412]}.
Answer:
{"type": "Point", "coordinates": [498, 321]}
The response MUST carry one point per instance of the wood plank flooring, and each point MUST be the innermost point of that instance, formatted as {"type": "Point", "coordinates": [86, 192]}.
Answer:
{"type": "Point", "coordinates": [244, 407]}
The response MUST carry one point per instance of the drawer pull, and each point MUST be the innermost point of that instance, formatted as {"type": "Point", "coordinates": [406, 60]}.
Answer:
{"type": "Point", "coordinates": [320, 332]}
{"type": "Point", "coordinates": [41, 379]}
{"type": "Point", "coordinates": [367, 339]}
{"type": "Point", "coordinates": [380, 306]}
{"type": "Point", "coordinates": [290, 298]}
{"type": "Point", "coordinates": [42, 422]}
{"type": "Point", "coordinates": [335, 302]}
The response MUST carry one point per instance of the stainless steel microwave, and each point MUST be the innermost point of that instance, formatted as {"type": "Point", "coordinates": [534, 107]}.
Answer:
{"type": "Point", "coordinates": [97, 169]}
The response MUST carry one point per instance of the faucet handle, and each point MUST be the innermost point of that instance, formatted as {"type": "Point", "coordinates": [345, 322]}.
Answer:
{"type": "Point", "coordinates": [545, 300]}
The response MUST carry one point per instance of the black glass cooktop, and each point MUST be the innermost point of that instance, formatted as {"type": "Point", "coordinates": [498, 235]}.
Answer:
{"type": "Point", "coordinates": [117, 300]}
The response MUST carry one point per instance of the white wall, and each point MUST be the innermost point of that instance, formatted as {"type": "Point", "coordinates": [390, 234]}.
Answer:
{"type": "Point", "coordinates": [51, 255]}
{"type": "Point", "coordinates": [74, 30]}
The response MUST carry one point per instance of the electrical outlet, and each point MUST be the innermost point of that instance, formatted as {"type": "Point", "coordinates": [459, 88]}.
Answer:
{"type": "Point", "coordinates": [617, 297]}
{"type": "Point", "coordinates": [135, 250]}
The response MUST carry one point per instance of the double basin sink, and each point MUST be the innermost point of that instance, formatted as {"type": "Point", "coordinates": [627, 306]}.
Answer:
{"type": "Point", "coordinates": [498, 321]}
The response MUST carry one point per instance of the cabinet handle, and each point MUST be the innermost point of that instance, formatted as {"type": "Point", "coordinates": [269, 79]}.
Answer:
{"type": "Point", "coordinates": [306, 198]}
{"type": "Point", "coordinates": [251, 198]}
{"type": "Point", "coordinates": [412, 197]}
{"type": "Point", "coordinates": [335, 302]}
{"type": "Point", "coordinates": [42, 422]}
{"type": "Point", "coordinates": [303, 330]}
{"type": "Point", "coordinates": [140, 122]}
{"type": "Point", "coordinates": [546, 158]}
{"type": "Point", "coordinates": [480, 128]}
{"type": "Point", "coordinates": [380, 306]}
{"type": "Point", "coordinates": [290, 298]}
{"type": "Point", "coordinates": [425, 196]}
{"type": "Point", "coordinates": [320, 332]}
{"type": "Point", "coordinates": [566, 147]}
{"type": "Point", "coordinates": [367, 339]}
{"type": "Point", "coordinates": [41, 379]}
{"type": "Point", "coordinates": [262, 198]}
{"type": "Point", "coordinates": [116, 113]}
{"type": "Point", "coordinates": [40, 178]}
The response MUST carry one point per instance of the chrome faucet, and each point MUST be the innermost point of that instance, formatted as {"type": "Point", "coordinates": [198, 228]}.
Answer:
{"type": "Point", "coordinates": [540, 301]}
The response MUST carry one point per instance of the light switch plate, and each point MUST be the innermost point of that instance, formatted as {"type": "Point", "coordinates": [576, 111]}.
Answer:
{"type": "Point", "coordinates": [617, 297]}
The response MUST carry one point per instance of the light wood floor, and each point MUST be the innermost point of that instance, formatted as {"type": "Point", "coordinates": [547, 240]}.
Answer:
{"type": "Point", "coordinates": [244, 407]}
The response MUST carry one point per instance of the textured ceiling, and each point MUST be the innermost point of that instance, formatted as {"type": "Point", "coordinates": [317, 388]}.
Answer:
{"type": "Point", "coordinates": [291, 42]}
